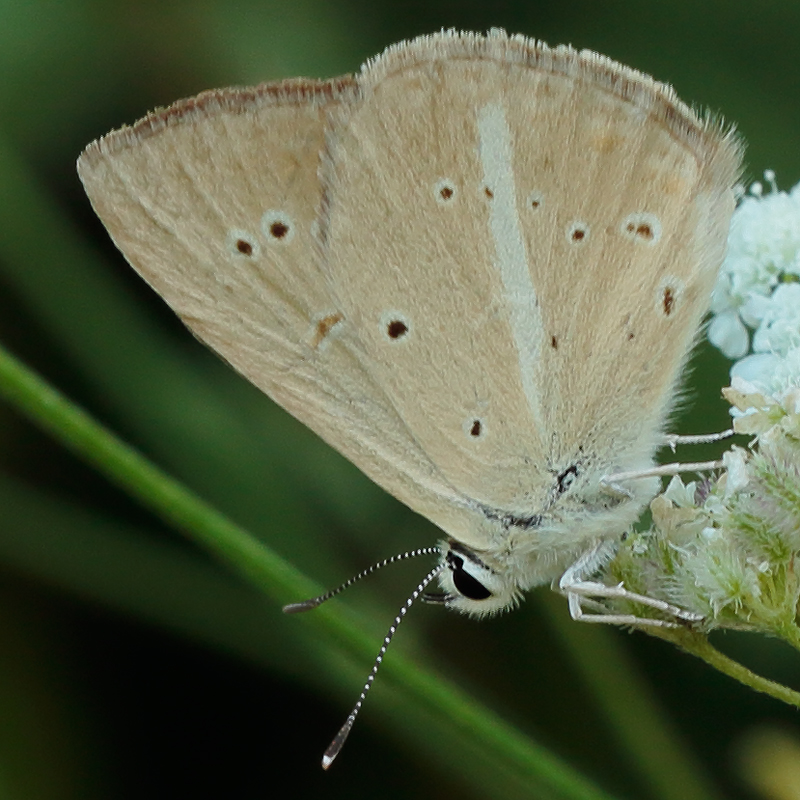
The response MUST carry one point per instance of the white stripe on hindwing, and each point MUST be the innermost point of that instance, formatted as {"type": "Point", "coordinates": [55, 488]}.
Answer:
{"type": "Point", "coordinates": [511, 259]}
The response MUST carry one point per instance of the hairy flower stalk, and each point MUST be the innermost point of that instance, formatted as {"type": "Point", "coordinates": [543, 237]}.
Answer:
{"type": "Point", "coordinates": [727, 546]}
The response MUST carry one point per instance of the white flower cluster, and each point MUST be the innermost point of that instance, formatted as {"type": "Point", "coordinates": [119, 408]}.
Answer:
{"type": "Point", "coordinates": [759, 290]}
{"type": "Point", "coordinates": [727, 546]}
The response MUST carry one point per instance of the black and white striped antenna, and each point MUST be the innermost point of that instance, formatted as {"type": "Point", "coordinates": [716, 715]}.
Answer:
{"type": "Point", "coordinates": [306, 605]}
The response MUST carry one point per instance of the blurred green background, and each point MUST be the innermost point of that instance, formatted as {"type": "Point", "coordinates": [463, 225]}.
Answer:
{"type": "Point", "coordinates": [131, 663]}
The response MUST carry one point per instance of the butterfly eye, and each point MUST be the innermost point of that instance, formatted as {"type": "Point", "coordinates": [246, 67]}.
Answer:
{"type": "Point", "coordinates": [468, 585]}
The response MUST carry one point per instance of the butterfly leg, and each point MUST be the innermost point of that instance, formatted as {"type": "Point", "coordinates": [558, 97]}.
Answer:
{"type": "Point", "coordinates": [671, 440]}
{"type": "Point", "coordinates": [613, 483]}
{"type": "Point", "coordinates": [581, 592]}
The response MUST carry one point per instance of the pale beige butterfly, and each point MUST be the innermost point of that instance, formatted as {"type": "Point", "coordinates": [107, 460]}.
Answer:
{"type": "Point", "coordinates": [475, 268]}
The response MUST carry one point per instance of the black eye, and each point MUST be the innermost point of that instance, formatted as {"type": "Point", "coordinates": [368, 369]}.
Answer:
{"type": "Point", "coordinates": [466, 584]}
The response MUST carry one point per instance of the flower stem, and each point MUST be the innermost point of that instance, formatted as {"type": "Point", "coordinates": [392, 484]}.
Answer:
{"type": "Point", "coordinates": [698, 645]}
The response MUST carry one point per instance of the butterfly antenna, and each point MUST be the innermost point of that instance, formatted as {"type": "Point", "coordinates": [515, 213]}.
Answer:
{"type": "Point", "coordinates": [307, 605]}
{"type": "Point", "coordinates": [341, 737]}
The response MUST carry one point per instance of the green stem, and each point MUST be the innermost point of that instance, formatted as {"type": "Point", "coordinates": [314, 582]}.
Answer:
{"type": "Point", "coordinates": [698, 645]}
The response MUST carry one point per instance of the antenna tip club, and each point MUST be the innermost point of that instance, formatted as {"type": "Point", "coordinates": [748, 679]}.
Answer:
{"type": "Point", "coordinates": [303, 605]}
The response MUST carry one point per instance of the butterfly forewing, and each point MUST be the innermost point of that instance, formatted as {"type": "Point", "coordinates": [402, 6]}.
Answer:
{"type": "Point", "coordinates": [215, 203]}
